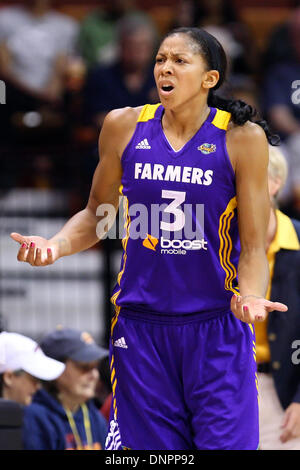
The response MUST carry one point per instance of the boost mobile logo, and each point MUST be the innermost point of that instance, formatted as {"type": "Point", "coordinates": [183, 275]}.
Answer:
{"type": "Point", "coordinates": [2, 92]}
{"type": "Point", "coordinates": [174, 247]}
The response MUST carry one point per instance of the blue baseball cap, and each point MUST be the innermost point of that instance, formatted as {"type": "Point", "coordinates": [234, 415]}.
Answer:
{"type": "Point", "coordinates": [68, 343]}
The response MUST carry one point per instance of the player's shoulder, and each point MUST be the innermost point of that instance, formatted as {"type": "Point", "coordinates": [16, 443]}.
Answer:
{"type": "Point", "coordinates": [248, 133]}
{"type": "Point", "coordinates": [246, 144]}
{"type": "Point", "coordinates": [122, 118]}
{"type": "Point", "coordinates": [118, 127]}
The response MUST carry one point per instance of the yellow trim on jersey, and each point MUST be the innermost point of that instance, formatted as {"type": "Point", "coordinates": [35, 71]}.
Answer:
{"type": "Point", "coordinates": [126, 238]}
{"type": "Point", "coordinates": [124, 243]}
{"type": "Point", "coordinates": [114, 387]}
{"type": "Point", "coordinates": [221, 119]}
{"type": "Point", "coordinates": [254, 358]}
{"type": "Point", "coordinates": [148, 112]}
{"type": "Point", "coordinates": [116, 295]}
{"type": "Point", "coordinates": [226, 245]}
{"type": "Point", "coordinates": [115, 319]}
{"type": "Point", "coordinates": [113, 381]}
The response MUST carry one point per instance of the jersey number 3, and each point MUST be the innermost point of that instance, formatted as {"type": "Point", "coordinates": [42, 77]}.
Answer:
{"type": "Point", "coordinates": [173, 208]}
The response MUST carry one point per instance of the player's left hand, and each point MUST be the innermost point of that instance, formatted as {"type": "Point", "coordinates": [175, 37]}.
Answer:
{"type": "Point", "coordinates": [251, 308]}
{"type": "Point", "coordinates": [291, 423]}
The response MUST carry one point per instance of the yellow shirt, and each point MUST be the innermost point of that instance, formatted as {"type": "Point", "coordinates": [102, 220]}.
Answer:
{"type": "Point", "coordinates": [285, 238]}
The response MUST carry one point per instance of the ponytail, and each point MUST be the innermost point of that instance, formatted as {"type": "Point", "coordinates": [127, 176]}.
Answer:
{"type": "Point", "coordinates": [241, 112]}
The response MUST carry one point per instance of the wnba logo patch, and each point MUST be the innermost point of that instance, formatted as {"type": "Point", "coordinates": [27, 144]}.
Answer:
{"type": "Point", "coordinates": [150, 242]}
{"type": "Point", "coordinates": [207, 148]}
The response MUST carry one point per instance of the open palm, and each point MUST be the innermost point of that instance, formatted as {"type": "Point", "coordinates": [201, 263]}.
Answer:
{"type": "Point", "coordinates": [37, 251]}
{"type": "Point", "coordinates": [251, 308]}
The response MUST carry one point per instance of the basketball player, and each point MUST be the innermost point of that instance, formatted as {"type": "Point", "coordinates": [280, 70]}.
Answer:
{"type": "Point", "coordinates": [182, 351]}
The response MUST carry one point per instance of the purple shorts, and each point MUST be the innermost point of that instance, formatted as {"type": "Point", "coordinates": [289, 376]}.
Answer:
{"type": "Point", "coordinates": [182, 383]}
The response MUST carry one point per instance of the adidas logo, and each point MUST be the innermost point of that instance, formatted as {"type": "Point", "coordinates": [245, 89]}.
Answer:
{"type": "Point", "coordinates": [144, 144]}
{"type": "Point", "coordinates": [121, 343]}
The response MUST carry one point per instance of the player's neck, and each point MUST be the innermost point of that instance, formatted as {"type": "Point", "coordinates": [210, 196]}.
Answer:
{"type": "Point", "coordinates": [186, 120]}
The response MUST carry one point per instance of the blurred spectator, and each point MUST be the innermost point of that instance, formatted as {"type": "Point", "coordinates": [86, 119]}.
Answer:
{"type": "Point", "coordinates": [246, 90]}
{"type": "Point", "coordinates": [97, 38]}
{"type": "Point", "coordinates": [185, 14]}
{"type": "Point", "coordinates": [11, 421]}
{"type": "Point", "coordinates": [129, 81]}
{"type": "Point", "coordinates": [278, 372]}
{"type": "Point", "coordinates": [281, 102]}
{"type": "Point", "coordinates": [22, 366]}
{"type": "Point", "coordinates": [37, 46]}
{"type": "Point", "coordinates": [280, 96]}
{"type": "Point", "coordinates": [105, 408]}
{"type": "Point", "coordinates": [215, 12]}
{"type": "Point", "coordinates": [35, 42]}
{"type": "Point", "coordinates": [280, 45]}
{"type": "Point", "coordinates": [63, 415]}
{"type": "Point", "coordinates": [220, 18]}
{"type": "Point", "coordinates": [231, 48]}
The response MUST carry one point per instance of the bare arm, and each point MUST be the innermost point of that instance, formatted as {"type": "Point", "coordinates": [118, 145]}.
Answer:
{"type": "Point", "coordinates": [248, 148]}
{"type": "Point", "coordinates": [79, 233]}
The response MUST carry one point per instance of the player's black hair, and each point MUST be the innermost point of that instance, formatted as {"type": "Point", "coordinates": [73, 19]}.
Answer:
{"type": "Point", "coordinates": [215, 57]}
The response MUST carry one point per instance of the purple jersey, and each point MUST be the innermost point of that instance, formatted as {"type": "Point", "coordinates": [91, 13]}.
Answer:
{"type": "Point", "coordinates": [184, 259]}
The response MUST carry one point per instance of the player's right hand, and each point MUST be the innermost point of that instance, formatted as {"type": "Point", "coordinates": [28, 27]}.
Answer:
{"type": "Point", "coordinates": [36, 251]}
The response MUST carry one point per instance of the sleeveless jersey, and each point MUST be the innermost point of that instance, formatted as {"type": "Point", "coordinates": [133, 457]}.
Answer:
{"type": "Point", "coordinates": [181, 243]}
